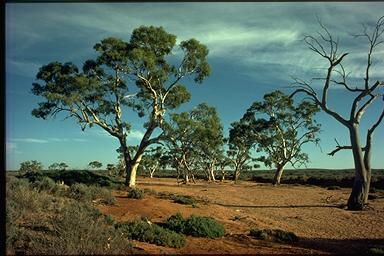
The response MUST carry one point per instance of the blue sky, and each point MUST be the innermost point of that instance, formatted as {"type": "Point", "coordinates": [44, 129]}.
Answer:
{"type": "Point", "coordinates": [254, 48]}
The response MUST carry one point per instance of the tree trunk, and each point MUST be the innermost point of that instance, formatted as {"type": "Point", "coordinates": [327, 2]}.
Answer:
{"type": "Point", "coordinates": [212, 174]}
{"type": "Point", "coordinates": [360, 189]}
{"type": "Point", "coordinates": [236, 174]}
{"type": "Point", "coordinates": [278, 174]}
{"type": "Point", "coordinates": [131, 169]}
{"type": "Point", "coordinates": [222, 174]}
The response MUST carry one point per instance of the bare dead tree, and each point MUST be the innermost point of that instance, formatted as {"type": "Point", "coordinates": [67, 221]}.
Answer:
{"type": "Point", "coordinates": [327, 48]}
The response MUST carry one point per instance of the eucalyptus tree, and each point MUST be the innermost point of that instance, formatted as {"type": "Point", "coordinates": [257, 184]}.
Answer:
{"type": "Point", "coordinates": [95, 165]}
{"type": "Point", "coordinates": [137, 75]}
{"type": "Point", "coordinates": [283, 129]}
{"type": "Point", "coordinates": [153, 159]}
{"type": "Point", "coordinates": [363, 95]}
{"type": "Point", "coordinates": [58, 166]}
{"type": "Point", "coordinates": [194, 140]}
{"type": "Point", "coordinates": [241, 142]}
{"type": "Point", "coordinates": [30, 167]}
{"type": "Point", "coordinates": [208, 144]}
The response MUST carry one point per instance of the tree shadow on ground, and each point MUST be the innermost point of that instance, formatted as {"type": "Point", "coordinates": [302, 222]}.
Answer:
{"type": "Point", "coordinates": [284, 206]}
{"type": "Point", "coordinates": [344, 246]}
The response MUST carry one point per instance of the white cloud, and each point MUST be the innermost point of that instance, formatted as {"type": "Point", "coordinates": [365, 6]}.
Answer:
{"type": "Point", "coordinates": [31, 140]}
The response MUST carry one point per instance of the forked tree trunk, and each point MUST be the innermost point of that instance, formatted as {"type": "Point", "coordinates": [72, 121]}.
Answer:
{"type": "Point", "coordinates": [211, 174]}
{"type": "Point", "coordinates": [236, 174]}
{"type": "Point", "coordinates": [131, 169]}
{"type": "Point", "coordinates": [278, 174]}
{"type": "Point", "coordinates": [360, 190]}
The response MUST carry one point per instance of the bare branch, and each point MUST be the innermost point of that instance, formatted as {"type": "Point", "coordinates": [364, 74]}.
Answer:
{"type": "Point", "coordinates": [361, 111]}
{"type": "Point", "coordinates": [363, 94]}
{"type": "Point", "coordinates": [338, 148]}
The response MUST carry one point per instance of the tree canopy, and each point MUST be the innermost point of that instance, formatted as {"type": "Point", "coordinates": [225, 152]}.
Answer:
{"type": "Point", "coordinates": [283, 128]}
{"type": "Point", "coordinates": [137, 74]}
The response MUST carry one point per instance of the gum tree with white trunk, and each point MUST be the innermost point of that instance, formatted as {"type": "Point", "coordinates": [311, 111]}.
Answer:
{"type": "Point", "coordinates": [283, 127]}
{"type": "Point", "coordinates": [139, 75]}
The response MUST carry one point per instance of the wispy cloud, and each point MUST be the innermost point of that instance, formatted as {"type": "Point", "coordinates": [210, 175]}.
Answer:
{"type": "Point", "coordinates": [243, 33]}
{"type": "Point", "coordinates": [30, 140]}
{"type": "Point", "coordinates": [42, 141]}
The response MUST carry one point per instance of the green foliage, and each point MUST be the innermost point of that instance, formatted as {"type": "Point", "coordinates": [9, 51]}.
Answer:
{"type": "Point", "coordinates": [58, 166]}
{"type": "Point", "coordinates": [46, 184]}
{"type": "Point", "coordinates": [40, 223]}
{"type": "Point", "coordinates": [87, 177]}
{"type": "Point", "coordinates": [183, 199]}
{"type": "Point", "coordinates": [194, 139]}
{"type": "Point", "coordinates": [274, 234]}
{"type": "Point", "coordinates": [95, 165]}
{"type": "Point", "coordinates": [282, 128]}
{"type": "Point", "coordinates": [84, 193]}
{"type": "Point", "coordinates": [198, 226]}
{"type": "Point", "coordinates": [176, 223]}
{"type": "Point", "coordinates": [30, 167]}
{"type": "Point", "coordinates": [99, 91]}
{"type": "Point", "coordinates": [135, 193]}
{"type": "Point", "coordinates": [145, 231]}
{"type": "Point", "coordinates": [376, 251]}
{"type": "Point", "coordinates": [81, 229]}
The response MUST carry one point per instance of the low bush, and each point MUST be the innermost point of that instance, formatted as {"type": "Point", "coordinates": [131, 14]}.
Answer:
{"type": "Point", "coordinates": [145, 231]}
{"type": "Point", "coordinates": [80, 192]}
{"type": "Point", "coordinates": [376, 251]}
{"type": "Point", "coordinates": [46, 184]}
{"type": "Point", "coordinates": [198, 226]}
{"type": "Point", "coordinates": [183, 200]}
{"type": "Point", "coordinates": [84, 193]}
{"type": "Point", "coordinates": [136, 193]}
{"type": "Point", "coordinates": [81, 229]}
{"type": "Point", "coordinates": [176, 223]}
{"type": "Point", "coordinates": [274, 234]}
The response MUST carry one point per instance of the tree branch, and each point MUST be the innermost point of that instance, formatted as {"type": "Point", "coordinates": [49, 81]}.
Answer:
{"type": "Point", "coordinates": [338, 148]}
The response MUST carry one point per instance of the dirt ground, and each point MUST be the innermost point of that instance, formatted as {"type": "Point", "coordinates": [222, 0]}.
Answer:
{"type": "Point", "coordinates": [315, 214]}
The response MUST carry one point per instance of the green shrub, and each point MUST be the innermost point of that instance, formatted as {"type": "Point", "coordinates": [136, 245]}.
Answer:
{"type": "Point", "coordinates": [136, 193]}
{"type": "Point", "coordinates": [198, 226]}
{"type": "Point", "coordinates": [40, 223]}
{"type": "Point", "coordinates": [105, 195]}
{"type": "Point", "coordinates": [84, 193]}
{"type": "Point", "coordinates": [274, 234]}
{"type": "Point", "coordinates": [80, 192]}
{"type": "Point", "coordinates": [81, 229]}
{"type": "Point", "coordinates": [151, 233]}
{"type": "Point", "coordinates": [46, 184]}
{"type": "Point", "coordinates": [183, 199]}
{"type": "Point", "coordinates": [259, 234]}
{"type": "Point", "coordinates": [376, 251]}
{"type": "Point", "coordinates": [176, 223]}
{"type": "Point", "coordinates": [109, 219]}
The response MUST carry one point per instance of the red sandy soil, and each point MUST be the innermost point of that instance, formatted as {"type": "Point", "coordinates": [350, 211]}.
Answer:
{"type": "Point", "coordinates": [315, 214]}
